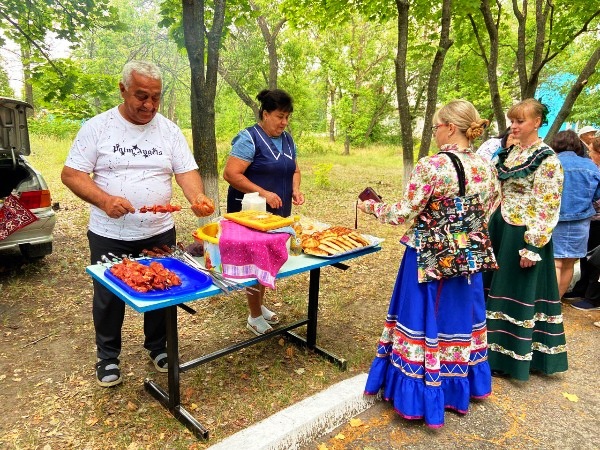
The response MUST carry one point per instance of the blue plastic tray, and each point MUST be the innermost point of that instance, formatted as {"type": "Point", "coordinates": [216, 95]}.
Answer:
{"type": "Point", "coordinates": [191, 280]}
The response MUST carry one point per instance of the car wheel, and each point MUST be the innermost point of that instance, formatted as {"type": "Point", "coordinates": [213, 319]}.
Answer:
{"type": "Point", "coordinates": [36, 251]}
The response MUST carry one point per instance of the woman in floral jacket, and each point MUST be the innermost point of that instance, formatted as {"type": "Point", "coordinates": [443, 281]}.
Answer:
{"type": "Point", "coordinates": [525, 325]}
{"type": "Point", "coordinates": [432, 354]}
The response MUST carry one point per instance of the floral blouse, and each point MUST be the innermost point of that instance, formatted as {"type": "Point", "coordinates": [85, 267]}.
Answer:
{"type": "Point", "coordinates": [435, 176]}
{"type": "Point", "coordinates": [531, 194]}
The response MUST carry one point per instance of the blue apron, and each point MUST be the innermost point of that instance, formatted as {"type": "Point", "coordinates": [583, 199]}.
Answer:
{"type": "Point", "coordinates": [271, 170]}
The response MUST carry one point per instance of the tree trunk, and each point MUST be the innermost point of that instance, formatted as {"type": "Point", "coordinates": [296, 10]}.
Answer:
{"type": "Point", "coordinates": [542, 9]}
{"type": "Point", "coordinates": [492, 63]}
{"type": "Point", "coordinates": [379, 111]}
{"type": "Point", "coordinates": [331, 89]}
{"type": "Point", "coordinates": [239, 90]}
{"type": "Point", "coordinates": [172, 103]}
{"type": "Point", "coordinates": [27, 87]}
{"type": "Point", "coordinates": [434, 76]}
{"type": "Point", "coordinates": [199, 41]}
{"type": "Point", "coordinates": [270, 38]}
{"type": "Point", "coordinates": [402, 90]}
{"type": "Point", "coordinates": [576, 89]}
{"type": "Point", "coordinates": [521, 50]}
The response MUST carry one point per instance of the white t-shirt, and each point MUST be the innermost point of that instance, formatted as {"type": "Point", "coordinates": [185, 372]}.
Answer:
{"type": "Point", "coordinates": [489, 148]}
{"type": "Point", "coordinates": [136, 162]}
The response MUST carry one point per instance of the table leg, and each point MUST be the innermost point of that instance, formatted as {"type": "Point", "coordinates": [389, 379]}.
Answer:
{"type": "Point", "coordinates": [172, 399]}
{"type": "Point", "coordinates": [313, 307]}
{"type": "Point", "coordinates": [311, 326]}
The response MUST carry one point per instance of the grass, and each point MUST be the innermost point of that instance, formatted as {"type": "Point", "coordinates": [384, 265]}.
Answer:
{"type": "Point", "coordinates": [58, 401]}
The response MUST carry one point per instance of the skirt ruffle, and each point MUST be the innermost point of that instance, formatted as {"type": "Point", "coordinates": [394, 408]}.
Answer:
{"type": "Point", "coordinates": [432, 354]}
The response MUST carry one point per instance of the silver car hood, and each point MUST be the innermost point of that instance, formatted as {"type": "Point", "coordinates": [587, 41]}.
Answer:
{"type": "Point", "coordinates": [14, 137]}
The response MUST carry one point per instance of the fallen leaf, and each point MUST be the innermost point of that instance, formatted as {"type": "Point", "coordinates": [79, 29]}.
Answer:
{"type": "Point", "coordinates": [193, 406]}
{"type": "Point", "coordinates": [340, 436]}
{"type": "Point", "coordinates": [131, 406]}
{"type": "Point", "coordinates": [299, 371]}
{"type": "Point", "coordinates": [356, 422]}
{"type": "Point", "coordinates": [570, 397]}
{"type": "Point", "coordinates": [91, 421]}
{"type": "Point", "coordinates": [322, 447]}
{"type": "Point", "coordinates": [187, 394]}
{"type": "Point", "coordinates": [281, 342]}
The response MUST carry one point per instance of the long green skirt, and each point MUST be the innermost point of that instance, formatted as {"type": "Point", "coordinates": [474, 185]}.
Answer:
{"type": "Point", "coordinates": [524, 318]}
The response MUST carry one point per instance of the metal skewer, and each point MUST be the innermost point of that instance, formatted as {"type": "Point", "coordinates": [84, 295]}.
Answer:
{"type": "Point", "coordinates": [225, 284]}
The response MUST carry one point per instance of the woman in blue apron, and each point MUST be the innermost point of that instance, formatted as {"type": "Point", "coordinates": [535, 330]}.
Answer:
{"type": "Point", "coordinates": [263, 160]}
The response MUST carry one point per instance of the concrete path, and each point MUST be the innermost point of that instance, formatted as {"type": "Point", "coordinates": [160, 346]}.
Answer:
{"type": "Point", "coordinates": [305, 421]}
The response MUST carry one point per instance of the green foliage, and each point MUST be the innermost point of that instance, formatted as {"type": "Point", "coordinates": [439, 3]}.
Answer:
{"type": "Point", "coordinates": [49, 125]}
{"type": "Point", "coordinates": [345, 45]}
{"type": "Point", "coordinates": [76, 94]}
{"type": "Point", "coordinates": [5, 89]}
{"type": "Point", "coordinates": [232, 115]}
{"type": "Point", "coordinates": [310, 145]}
{"type": "Point", "coordinates": [29, 22]}
{"type": "Point", "coordinates": [321, 173]}
{"type": "Point", "coordinates": [569, 65]}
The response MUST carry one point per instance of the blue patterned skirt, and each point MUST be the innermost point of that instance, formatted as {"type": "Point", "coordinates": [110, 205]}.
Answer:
{"type": "Point", "coordinates": [432, 354]}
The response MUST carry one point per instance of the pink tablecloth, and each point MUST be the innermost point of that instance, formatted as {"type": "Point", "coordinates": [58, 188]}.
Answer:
{"type": "Point", "coordinates": [248, 253]}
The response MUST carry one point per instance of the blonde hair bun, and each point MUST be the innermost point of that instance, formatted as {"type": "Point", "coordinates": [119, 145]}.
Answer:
{"type": "Point", "coordinates": [476, 129]}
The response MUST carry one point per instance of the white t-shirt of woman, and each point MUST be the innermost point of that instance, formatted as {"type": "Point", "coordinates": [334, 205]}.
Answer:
{"type": "Point", "coordinates": [136, 162]}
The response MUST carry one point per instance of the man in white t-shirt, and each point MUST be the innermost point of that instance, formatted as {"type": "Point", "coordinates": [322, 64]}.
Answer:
{"type": "Point", "coordinates": [121, 160]}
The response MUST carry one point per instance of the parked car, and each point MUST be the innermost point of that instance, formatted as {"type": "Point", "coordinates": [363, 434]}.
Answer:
{"type": "Point", "coordinates": [18, 177]}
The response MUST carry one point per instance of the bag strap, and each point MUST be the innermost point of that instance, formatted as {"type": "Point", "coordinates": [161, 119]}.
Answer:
{"type": "Point", "coordinates": [460, 171]}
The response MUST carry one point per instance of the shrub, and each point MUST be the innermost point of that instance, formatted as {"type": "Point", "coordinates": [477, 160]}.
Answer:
{"type": "Point", "coordinates": [321, 172]}
{"type": "Point", "coordinates": [309, 145]}
{"type": "Point", "coordinates": [50, 125]}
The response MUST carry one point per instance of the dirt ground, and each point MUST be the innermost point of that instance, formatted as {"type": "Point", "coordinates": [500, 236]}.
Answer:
{"type": "Point", "coordinates": [48, 353]}
{"type": "Point", "coordinates": [53, 402]}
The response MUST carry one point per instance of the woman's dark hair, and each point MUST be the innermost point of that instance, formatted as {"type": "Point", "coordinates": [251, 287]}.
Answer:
{"type": "Point", "coordinates": [567, 140]}
{"type": "Point", "coordinates": [274, 99]}
{"type": "Point", "coordinates": [504, 136]}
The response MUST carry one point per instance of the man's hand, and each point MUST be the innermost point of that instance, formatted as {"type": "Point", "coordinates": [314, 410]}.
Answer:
{"type": "Point", "coordinates": [203, 206]}
{"type": "Point", "coordinates": [116, 207]}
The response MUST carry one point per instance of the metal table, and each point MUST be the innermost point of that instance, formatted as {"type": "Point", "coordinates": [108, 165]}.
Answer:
{"type": "Point", "coordinates": [171, 399]}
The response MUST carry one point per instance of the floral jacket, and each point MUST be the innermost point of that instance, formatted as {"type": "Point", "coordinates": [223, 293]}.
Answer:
{"type": "Point", "coordinates": [531, 192]}
{"type": "Point", "coordinates": [434, 176]}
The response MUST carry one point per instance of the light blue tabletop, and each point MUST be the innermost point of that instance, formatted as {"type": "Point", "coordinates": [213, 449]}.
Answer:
{"type": "Point", "coordinates": [293, 266]}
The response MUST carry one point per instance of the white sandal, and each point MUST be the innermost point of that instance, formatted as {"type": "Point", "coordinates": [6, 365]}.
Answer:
{"type": "Point", "coordinates": [270, 317]}
{"type": "Point", "coordinates": [258, 325]}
